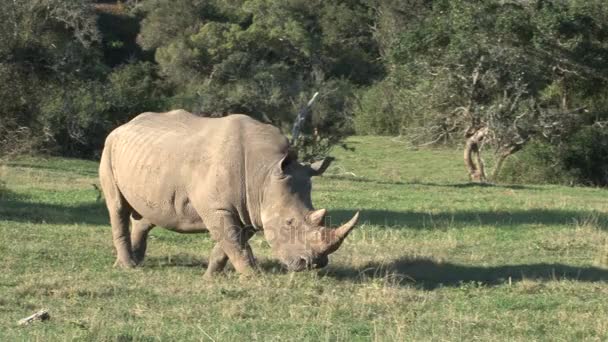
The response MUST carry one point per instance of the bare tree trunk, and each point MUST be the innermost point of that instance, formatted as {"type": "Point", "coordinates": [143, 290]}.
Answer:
{"type": "Point", "coordinates": [502, 157]}
{"type": "Point", "coordinates": [472, 155]}
{"type": "Point", "coordinates": [499, 162]}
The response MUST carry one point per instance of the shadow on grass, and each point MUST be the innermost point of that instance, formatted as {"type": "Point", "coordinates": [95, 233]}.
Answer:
{"type": "Point", "coordinates": [424, 220]}
{"type": "Point", "coordinates": [178, 260]}
{"type": "Point", "coordinates": [20, 208]}
{"type": "Point", "coordinates": [66, 170]}
{"type": "Point", "coordinates": [446, 185]}
{"type": "Point", "coordinates": [428, 274]}
{"type": "Point", "coordinates": [190, 260]}
{"type": "Point", "coordinates": [422, 273]}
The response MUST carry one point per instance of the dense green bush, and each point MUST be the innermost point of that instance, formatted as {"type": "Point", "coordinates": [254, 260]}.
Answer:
{"type": "Point", "coordinates": [586, 156]}
{"type": "Point", "coordinates": [265, 58]}
{"type": "Point", "coordinates": [581, 160]}
{"type": "Point", "coordinates": [538, 163]}
{"type": "Point", "coordinates": [134, 88]}
{"type": "Point", "coordinates": [79, 114]}
{"type": "Point", "coordinates": [65, 81]}
{"type": "Point", "coordinates": [379, 110]}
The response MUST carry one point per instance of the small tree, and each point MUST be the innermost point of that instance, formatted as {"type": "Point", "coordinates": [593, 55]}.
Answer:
{"type": "Point", "coordinates": [497, 73]}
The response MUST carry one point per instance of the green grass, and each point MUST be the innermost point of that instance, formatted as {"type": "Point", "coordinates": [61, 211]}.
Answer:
{"type": "Point", "coordinates": [436, 258]}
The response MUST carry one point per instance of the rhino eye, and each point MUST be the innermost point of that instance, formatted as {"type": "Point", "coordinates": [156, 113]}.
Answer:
{"type": "Point", "coordinates": [289, 222]}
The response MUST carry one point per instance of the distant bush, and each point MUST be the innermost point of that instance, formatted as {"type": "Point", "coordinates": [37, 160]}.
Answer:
{"type": "Point", "coordinates": [134, 88]}
{"type": "Point", "coordinates": [78, 115]}
{"type": "Point", "coordinates": [3, 188]}
{"type": "Point", "coordinates": [586, 156]}
{"type": "Point", "coordinates": [583, 160]}
{"type": "Point", "coordinates": [538, 163]}
{"type": "Point", "coordinates": [16, 140]}
{"type": "Point", "coordinates": [378, 111]}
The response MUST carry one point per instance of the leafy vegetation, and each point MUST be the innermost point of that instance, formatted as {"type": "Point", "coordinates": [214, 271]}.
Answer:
{"type": "Point", "coordinates": [436, 258]}
{"type": "Point", "coordinates": [498, 73]}
{"type": "Point", "coordinates": [582, 160]}
{"type": "Point", "coordinates": [98, 65]}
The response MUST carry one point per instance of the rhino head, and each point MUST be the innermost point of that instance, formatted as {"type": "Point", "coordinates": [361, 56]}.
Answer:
{"type": "Point", "coordinates": [294, 230]}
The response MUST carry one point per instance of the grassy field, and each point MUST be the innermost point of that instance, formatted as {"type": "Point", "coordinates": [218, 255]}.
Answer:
{"type": "Point", "coordinates": [436, 258]}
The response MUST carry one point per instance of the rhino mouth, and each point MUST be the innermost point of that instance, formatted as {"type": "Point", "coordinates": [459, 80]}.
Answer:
{"type": "Point", "coordinates": [320, 243]}
{"type": "Point", "coordinates": [304, 263]}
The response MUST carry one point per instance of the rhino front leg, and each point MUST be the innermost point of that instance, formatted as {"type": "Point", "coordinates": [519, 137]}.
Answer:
{"type": "Point", "coordinates": [217, 261]}
{"type": "Point", "coordinates": [232, 241]}
{"type": "Point", "coordinates": [218, 258]}
{"type": "Point", "coordinates": [140, 227]}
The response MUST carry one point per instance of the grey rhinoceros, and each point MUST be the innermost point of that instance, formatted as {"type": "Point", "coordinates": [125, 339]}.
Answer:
{"type": "Point", "coordinates": [230, 176]}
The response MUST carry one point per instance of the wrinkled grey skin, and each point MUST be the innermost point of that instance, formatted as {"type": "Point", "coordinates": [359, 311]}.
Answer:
{"type": "Point", "coordinates": [229, 176]}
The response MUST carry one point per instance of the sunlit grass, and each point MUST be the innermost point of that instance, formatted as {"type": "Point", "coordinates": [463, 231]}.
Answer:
{"type": "Point", "coordinates": [435, 258]}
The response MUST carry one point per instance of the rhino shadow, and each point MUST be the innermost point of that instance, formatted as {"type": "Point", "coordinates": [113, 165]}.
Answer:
{"type": "Point", "coordinates": [424, 220]}
{"type": "Point", "coordinates": [427, 274]}
{"type": "Point", "coordinates": [191, 260]}
{"type": "Point", "coordinates": [177, 260]}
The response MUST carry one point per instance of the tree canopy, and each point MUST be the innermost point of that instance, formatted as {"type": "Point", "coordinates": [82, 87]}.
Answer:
{"type": "Point", "coordinates": [498, 73]}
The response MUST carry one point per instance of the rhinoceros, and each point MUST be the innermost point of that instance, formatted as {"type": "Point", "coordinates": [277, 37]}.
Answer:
{"type": "Point", "coordinates": [229, 176]}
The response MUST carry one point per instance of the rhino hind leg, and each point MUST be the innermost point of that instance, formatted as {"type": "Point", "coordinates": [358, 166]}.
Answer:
{"type": "Point", "coordinates": [119, 218]}
{"type": "Point", "coordinates": [140, 227]}
{"type": "Point", "coordinates": [119, 211]}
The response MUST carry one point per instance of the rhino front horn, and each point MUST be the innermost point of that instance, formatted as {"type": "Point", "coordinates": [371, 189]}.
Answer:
{"type": "Point", "coordinates": [339, 234]}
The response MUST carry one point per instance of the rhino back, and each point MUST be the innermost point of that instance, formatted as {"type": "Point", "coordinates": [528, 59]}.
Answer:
{"type": "Point", "coordinates": [171, 165]}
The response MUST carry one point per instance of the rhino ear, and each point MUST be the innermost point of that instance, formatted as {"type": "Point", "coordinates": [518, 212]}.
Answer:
{"type": "Point", "coordinates": [290, 157]}
{"type": "Point", "coordinates": [317, 168]}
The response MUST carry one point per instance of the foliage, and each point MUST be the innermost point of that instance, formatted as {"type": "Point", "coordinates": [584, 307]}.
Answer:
{"type": "Point", "coordinates": [537, 163]}
{"type": "Point", "coordinates": [134, 88]}
{"type": "Point", "coordinates": [95, 65]}
{"type": "Point", "coordinates": [379, 111]}
{"type": "Point", "coordinates": [431, 71]}
{"type": "Point", "coordinates": [523, 70]}
{"type": "Point", "coordinates": [265, 58]}
{"type": "Point", "coordinates": [582, 160]}
{"type": "Point", "coordinates": [586, 156]}
{"type": "Point", "coordinates": [56, 90]}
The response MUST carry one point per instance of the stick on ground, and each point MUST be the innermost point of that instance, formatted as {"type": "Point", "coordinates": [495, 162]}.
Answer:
{"type": "Point", "coordinates": [41, 315]}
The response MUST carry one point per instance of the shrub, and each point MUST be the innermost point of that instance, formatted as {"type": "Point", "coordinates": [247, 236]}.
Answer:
{"type": "Point", "coordinates": [537, 163]}
{"type": "Point", "coordinates": [583, 160]}
{"type": "Point", "coordinates": [377, 111]}
{"type": "Point", "coordinates": [586, 156]}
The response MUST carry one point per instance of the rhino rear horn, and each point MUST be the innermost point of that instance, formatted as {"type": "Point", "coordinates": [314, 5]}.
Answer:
{"type": "Point", "coordinates": [316, 217]}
